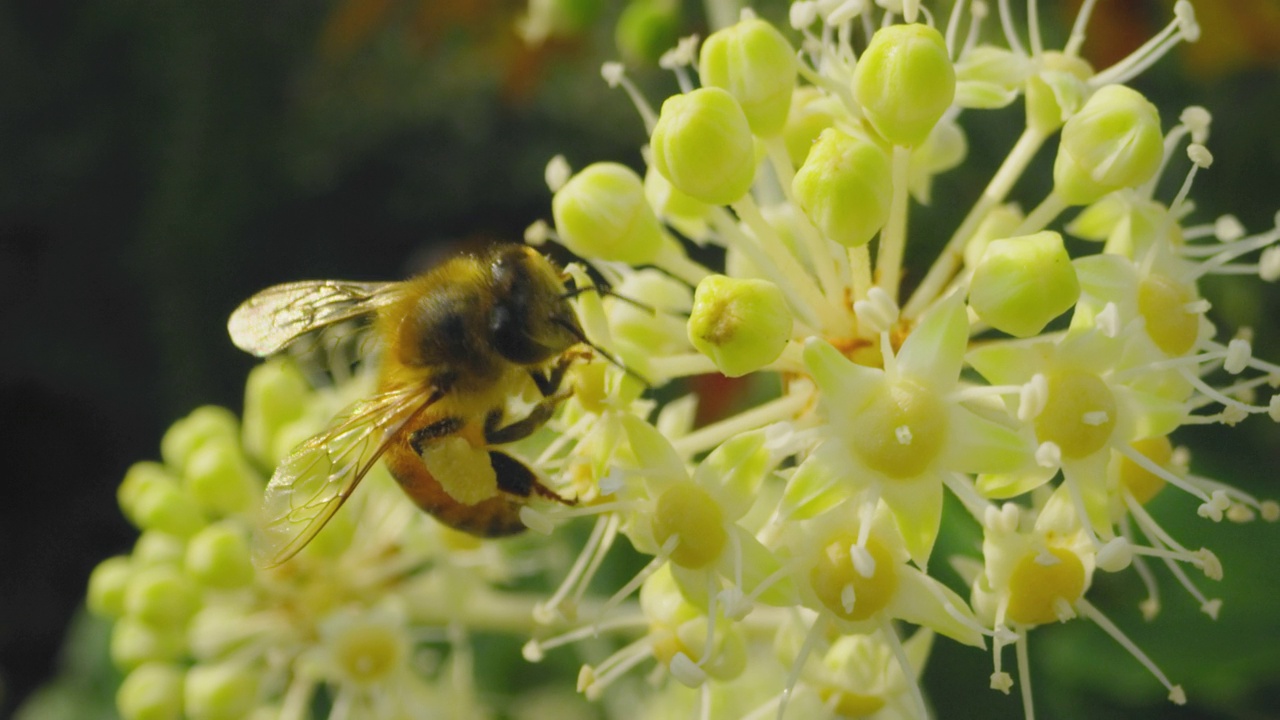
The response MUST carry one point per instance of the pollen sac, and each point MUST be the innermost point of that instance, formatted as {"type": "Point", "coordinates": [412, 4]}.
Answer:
{"type": "Point", "coordinates": [757, 66]}
{"type": "Point", "coordinates": [905, 82]}
{"type": "Point", "coordinates": [602, 212]}
{"type": "Point", "coordinates": [686, 511]}
{"type": "Point", "coordinates": [1035, 587]}
{"type": "Point", "coordinates": [702, 144]}
{"type": "Point", "coordinates": [1022, 283]}
{"type": "Point", "coordinates": [845, 187]}
{"type": "Point", "coordinates": [741, 324]}
{"type": "Point", "coordinates": [1114, 142]}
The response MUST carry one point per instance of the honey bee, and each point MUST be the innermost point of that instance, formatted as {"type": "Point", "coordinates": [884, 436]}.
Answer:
{"type": "Point", "coordinates": [456, 343]}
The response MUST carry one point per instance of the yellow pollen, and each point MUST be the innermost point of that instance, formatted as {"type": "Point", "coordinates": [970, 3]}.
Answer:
{"type": "Point", "coordinates": [1162, 303]}
{"type": "Point", "coordinates": [899, 430]}
{"type": "Point", "coordinates": [688, 512]}
{"type": "Point", "coordinates": [1079, 415]}
{"type": "Point", "coordinates": [1034, 586]}
{"type": "Point", "coordinates": [1142, 483]}
{"type": "Point", "coordinates": [834, 575]}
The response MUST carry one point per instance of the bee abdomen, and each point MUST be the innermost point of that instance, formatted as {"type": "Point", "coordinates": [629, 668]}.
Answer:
{"type": "Point", "coordinates": [497, 516]}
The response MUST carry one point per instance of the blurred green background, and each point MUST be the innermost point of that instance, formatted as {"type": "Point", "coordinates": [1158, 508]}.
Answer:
{"type": "Point", "coordinates": [161, 161]}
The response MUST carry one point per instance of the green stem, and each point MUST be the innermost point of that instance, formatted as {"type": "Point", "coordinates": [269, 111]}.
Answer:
{"type": "Point", "coordinates": [893, 238]}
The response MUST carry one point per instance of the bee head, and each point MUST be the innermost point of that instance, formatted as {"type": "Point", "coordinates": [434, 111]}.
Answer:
{"type": "Point", "coordinates": [531, 320]}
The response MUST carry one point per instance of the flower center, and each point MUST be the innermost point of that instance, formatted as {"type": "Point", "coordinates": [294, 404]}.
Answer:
{"type": "Point", "coordinates": [368, 652]}
{"type": "Point", "coordinates": [845, 591]}
{"type": "Point", "coordinates": [1162, 303]}
{"type": "Point", "coordinates": [1079, 415]}
{"type": "Point", "coordinates": [900, 430]}
{"type": "Point", "coordinates": [1035, 587]}
{"type": "Point", "coordinates": [690, 513]}
{"type": "Point", "coordinates": [1141, 482]}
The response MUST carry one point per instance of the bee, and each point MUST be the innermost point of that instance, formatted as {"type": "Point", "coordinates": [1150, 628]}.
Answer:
{"type": "Point", "coordinates": [457, 342]}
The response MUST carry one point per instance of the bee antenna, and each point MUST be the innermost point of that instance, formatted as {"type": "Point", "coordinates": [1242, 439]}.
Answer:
{"type": "Point", "coordinates": [582, 338]}
{"type": "Point", "coordinates": [604, 289]}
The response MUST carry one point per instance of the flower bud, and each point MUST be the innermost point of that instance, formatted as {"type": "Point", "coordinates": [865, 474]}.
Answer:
{"type": "Point", "coordinates": [153, 691]}
{"type": "Point", "coordinates": [152, 500]}
{"type": "Point", "coordinates": [682, 212]}
{"type": "Point", "coordinates": [703, 145]}
{"type": "Point", "coordinates": [1056, 91]}
{"type": "Point", "coordinates": [160, 596]}
{"type": "Point", "coordinates": [134, 642]}
{"type": "Point", "coordinates": [988, 77]}
{"type": "Point", "coordinates": [812, 111]}
{"type": "Point", "coordinates": [218, 556]}
{"type": "Point", "coordinates": [602, 213]}
{"type": "Point", "coordinates": [646, 29]}
{"type": "Point", "coordinates": [1113, 142]}
{"type": "Point", "coordinates": [845, 187]}
{"type": "Point", "coordinates": [757, 66]}
{"type": "Point", "coordinates": [187, 435]}
{"type": "Point", "coordinates": [107, 584]}
{"type": "Point", "coordinates": [220, 480]}
{"type": "Point", "coordinates": [275, 396]}
{"type": "Point", "coordinates": [742, 325]}
{"type": "Point", "coordinates": [905, 82]}
{"type": "Point", "coordinates": [1022, 283]}
{"type": "Point", "coordinates": [225, 691]}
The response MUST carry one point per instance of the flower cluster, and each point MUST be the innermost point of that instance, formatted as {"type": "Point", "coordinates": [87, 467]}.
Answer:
{"type": "Point", "coordinates": [1035, 374]}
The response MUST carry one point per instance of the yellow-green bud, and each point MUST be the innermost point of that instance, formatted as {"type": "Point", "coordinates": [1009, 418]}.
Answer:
{"type": "Point", "coordinates": [812, 111]}
{"type": "Point", "coordinates": [152, 500]}
{"type": "Point", "coordinates": [1113, 142]}
{"type": "Point", "coordinates": [1000, 223]}
{"type": "Point", "coordinates": [160, 596]}
{"type": "Point", "coordinates": [218, 556]}
{"type": "Point", "coordinates": [647, 28]}
{"type": "Point", "coordinates": [134, 642]}
{"type": "Point", "coordinates": [153, 691]}
{"type": "Point", "coordinates": [684, 213]}
{"type": "Point", "coordinates": [275, 396]}
{"type": "Point", "coordinates": [989, 77]}
{"type": "Point", "coordinates": [602, 213]}
{"type": "Point", "coordinates": [742, 325]}
{"type": "Point", "coordinates": [187, 435]}
{"type": "Point", "coordinates": [1022, 283]}
{"type": "Point", "coordinates": [220, 479]}
{"type": "Point", "coordinates": [107, 584]}
{"type": "Point", "coordinates": [226, 691]}
{"type": "Point", "coordinates": [845, 187]}
{"type": "Point", "coordinates": [905, 82]}
{"type": "Point", "coordinates": [702, 144]}
{"type": "Point", "coordinates": [757, 66]}
{"type": "Point", "coordinates": [141, 479]}
{"type": "Point", "coordinates": [156, 547]}
{"type": "Point", "coordinates": [1056, 91]}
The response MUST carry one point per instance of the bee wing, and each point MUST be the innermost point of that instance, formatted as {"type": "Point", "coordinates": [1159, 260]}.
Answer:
{"type": "Point", "coordinates": [312, 483]}
{"type": "Point", "coordinates": [267, 322]}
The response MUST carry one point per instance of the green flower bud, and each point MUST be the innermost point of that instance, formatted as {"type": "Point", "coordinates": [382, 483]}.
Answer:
{"type": "Point", "coordinates": [1022, 283]}
{"type": "Point", "coordinates": [812, 111]}
{"type": "Point", "coordinates": [186, 435]}
{"type": "Point", "coordinates": [1056, 91]}
{"type": "Point", "coordinates": [905, 82]}
{"type": "Point", "coordinates": [602, 213]}
{"type": "Point", "coordinates": [218, 556]}
{"type": "Point", "coordinates": [155, 547]}
{"type": "Point", "coordinates": [845, 187]}
{"type": "Point", "coordinates": [141, 479]}
{"type": "Point", "coordinates": [989, 77]}
{"type": "Point", "coordinates": [742, 325]}
{"type": "Point", "coordinates": [276, 395]}
{"type": "Point", "coordinates": [1113, 142]}
{"type": "Point", "coordinates": [225, 691]}
{"type": "Point", "coordinates": [134, 642]}
{"type": "Point", "coordinates": [702, 144]}
{"type": "Point", "coordinates": [153, 691]}
{"type": "Point", "coordinates": [160, 596]}
{"type": "Point", "coordinates": [220, 479]}
{"type": "Point", "coordinates": [165, 507]}
{"type": "Point", "coordinates": [107, 584]}
{"type": "Point", "coordinates": [646, 29]}
{"type": "Point", "coordinates": [757, 66]}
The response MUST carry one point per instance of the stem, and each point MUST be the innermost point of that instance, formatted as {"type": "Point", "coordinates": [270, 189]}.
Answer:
{"type": "Point", "coordinates": [709, 436]}
{"type": "Point", "coordinates": [893, 238]}
{"type": "Point", "coordinates": [815, 245]}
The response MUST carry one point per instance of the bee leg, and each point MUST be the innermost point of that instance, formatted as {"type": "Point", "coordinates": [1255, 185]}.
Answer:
{"type": "Point", "coordinates": [548, 382]}
{"type": "Point", "coordinates": [438, 429]}
{"type": "Point", "coordinates": [495, 433]}
{"type": "Point", "coordinates": [516, 478]}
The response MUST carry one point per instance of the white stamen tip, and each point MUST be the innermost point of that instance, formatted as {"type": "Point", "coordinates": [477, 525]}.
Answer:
{"type": "Point", "coordinates": [685, 53]}
{"type": "Point", "coordinates": [878, 312]}
{"type": "Point", "coordinates": [1002, 681]}
{"type": "Point", "coordinates": [1212, 608]}
{"type": "Point", "coordinates": [1063, 610]}
{"type": "Point", "coordinates": [1049, 455]}
{"type": "Point", "coordinates": [557, 173]}
{"type": "Point", "coordinates": [1270, 510]}
{"type": "Point", "coordinates": [1108, 321]}
{"type": "Point", "coordinates": [1269, 264]}
{"type": "Point", "coordinates": [1150, 608]}
{"type": "Point", "coordinates": [803, 14]}
{"type": "Point", "coordinates": [532, 651]}
{"type": "Point", "coordinates": [1186, 17]}
{"type": "Point", "coordinates": [1197, 120]}
{"type": "Point", "coordinates": [1200, 155]}
{"type": "Point", "coordinates": [844, 12]}
{"type": "Point", "coordinates": [586, 678]}
{"type": "Point", "coordinates": [1228, 228]}
{"type": "Point", "coordinates": [686, 671]}
{"type": "Point", "coordinates": [1115, 555]}
{"type": "Point", "coordinates": [537, 233]}
{"type": "Point", "coordinates": [903, 434]}
{"type": "Point", "coordinates": [1177, 695]}
{"type": "Point", "coordinates": [1033, 398]}
{"type": "Point", "coordinates": [1094, 418]}
{"type": "Point", "coordinates": [1238, 354]}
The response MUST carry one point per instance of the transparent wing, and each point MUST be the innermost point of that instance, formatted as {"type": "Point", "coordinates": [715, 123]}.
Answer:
{"type": "Point", "coordinates": [312, 483]}
{"type": "Point", "coordinates": [267, 322]}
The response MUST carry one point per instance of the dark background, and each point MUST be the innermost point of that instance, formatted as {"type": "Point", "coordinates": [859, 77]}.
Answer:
{"type": "Point", "coordinates": [161, 161]}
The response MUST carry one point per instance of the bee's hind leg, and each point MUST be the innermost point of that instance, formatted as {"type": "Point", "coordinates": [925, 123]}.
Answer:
{"type": "Point", "coordinates": [516, 478]}
{"type": "Point", "coordinates": [495, 433]}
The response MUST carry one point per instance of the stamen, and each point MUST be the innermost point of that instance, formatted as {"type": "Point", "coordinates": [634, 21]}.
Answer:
{"type": "Point", "coordinates": [1176, 693]}
{"type": "Point", "coordinates": [615, 74]}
